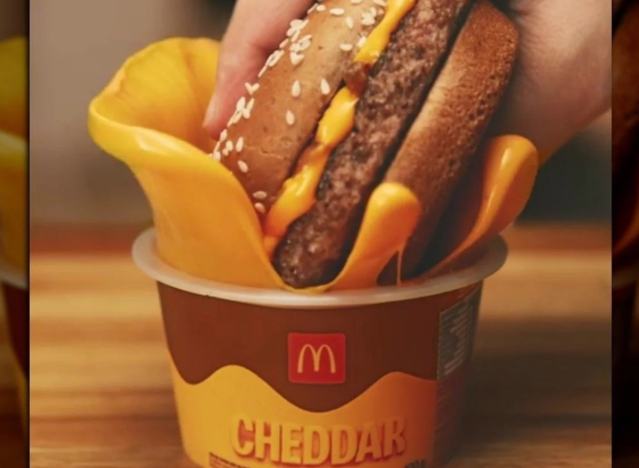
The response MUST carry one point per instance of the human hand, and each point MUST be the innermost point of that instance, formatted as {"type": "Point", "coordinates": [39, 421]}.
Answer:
{"type": "Point", "coordinates": [256, 29]}
{"type": "Point", "coordinates": [561, 84]}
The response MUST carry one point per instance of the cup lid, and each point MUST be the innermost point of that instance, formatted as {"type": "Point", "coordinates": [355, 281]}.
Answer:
{"type": "Point", "coordinates": [146, 258]}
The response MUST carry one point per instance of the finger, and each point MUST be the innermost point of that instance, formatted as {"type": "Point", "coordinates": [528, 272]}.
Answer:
{"type": "Point", "coordinates": [562, 81]}
{"type": "Point", "coordinates": [256, 29]}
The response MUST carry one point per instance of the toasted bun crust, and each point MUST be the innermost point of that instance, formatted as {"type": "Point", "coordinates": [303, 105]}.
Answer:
{"type": "Point", "coordinates": [271, 145]}
{"type": "Point", "coordinates": [625, 87]}
{"type": "Point", "coordinates": [447, 131]}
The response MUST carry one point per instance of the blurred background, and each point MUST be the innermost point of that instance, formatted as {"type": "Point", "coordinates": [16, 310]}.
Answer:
{"type": "Point", "coordinates": [13, 20]}
{"type": "Point", "coordinates": [77, 45]}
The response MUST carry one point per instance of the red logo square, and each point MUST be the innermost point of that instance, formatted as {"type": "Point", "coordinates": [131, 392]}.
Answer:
{"type": "Point", "coordinates": [317, 359]}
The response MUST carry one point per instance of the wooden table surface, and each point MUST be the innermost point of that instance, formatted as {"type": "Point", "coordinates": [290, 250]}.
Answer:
{"type": "Point", "coordinates": [540, 391]}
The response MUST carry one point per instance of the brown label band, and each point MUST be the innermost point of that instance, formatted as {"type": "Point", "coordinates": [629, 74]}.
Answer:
{"type": "Point", "coordinates": [318, 360]}
{"type": "Point", "coordinates": [16, 304]}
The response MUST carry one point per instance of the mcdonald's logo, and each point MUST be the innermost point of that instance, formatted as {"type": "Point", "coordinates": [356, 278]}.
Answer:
{"type": "Point", "coordinates": [318, 359]}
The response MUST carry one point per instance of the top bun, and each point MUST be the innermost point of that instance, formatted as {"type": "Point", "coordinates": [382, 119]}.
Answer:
{"type": "Point", "coordinates": [275, 120]}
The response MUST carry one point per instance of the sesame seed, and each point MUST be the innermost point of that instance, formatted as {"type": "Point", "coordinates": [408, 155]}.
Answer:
{"type": "Point", "coordinates": [217, 146]}
{"type": "Point", "coordinates": [250, 104]}
{"type": "Point", "coordinates": [225, 152]}
{"type": "Point", "coordinates": [373, 11]}
{"type": "Point", "coordinates": [295, 47]}
{"type": "Point", "coordinates": [356, 2]}
{"type": "Point", "coordinates": [229, 146]}
{"type": "Point", "coordinates": [246, 113]}
{"type": "Point", "coordinates": [241, 103]}
{"type": "Point", "coordinates": [312, 9]}
{"type": "Point", "coordinates": [263, 70]}
{"type": "Point", "coordinates": [236, 116]}
{"type": "Point", "coordinates": [296, 25]}
{"type": "Point", "coordinates": [323, 7]}
{"type": "Point", "coordinates": [325, 87]}
{"type": "Point", "coordinates": [242, 166]}
{"type": "Point", "coordinates": [337, 11]}
{"type": "Point", "coordinates": [251, 88]}
{"type": "Point", "coordinates": [381, 3]}
{"type": "Point", "coordinates": [290, 118]}
{"type": "Point", "coordinates": [361, 42]}
{"type": "Point", "coordinates": [346, 47]}
{"type": "Point", "coordinates": [368, 21]}
{"type": "Point", "coordinates": [296, 59]}
{"type": "Point", "coordinates": [294, 28]}
{"type": "Point", "coordinates": [296, 90]}
{"type": "Point", "coordinates": [260, 195]}
{"type": "Point", "coordinates": [380, 11]}
{"type": "Point", "coordinates": [295, 35]}
{"type": "Point", "coordinates": [303, 45]}
{"type": "Point", "coordinates": [239, 146]}
{"type": "Point", "coordinates": [259, 207]}
{"type": "Point", "coordinates": [216, 155]}
{"type": "Point", "coordinates": [275, 57]}
{"type": "Point", "coordinates": [223, 135]}
{"type": "Point", "coordinates": [283, 43]}
{"type": "Point", "coordinates": [349, 22]}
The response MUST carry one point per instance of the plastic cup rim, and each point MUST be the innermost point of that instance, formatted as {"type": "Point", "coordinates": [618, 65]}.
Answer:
{"type": "Point", "coordinates": [12, 276]}
{"type": "Point", "coordinates": [146, 258]}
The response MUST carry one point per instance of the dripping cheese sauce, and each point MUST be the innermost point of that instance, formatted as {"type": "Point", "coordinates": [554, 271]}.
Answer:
{"type": "Point", "coordinates": [298, 193]}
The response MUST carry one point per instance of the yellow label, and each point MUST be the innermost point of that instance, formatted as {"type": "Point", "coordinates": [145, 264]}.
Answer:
{"type": "Point", "coordinates": [236, 419]}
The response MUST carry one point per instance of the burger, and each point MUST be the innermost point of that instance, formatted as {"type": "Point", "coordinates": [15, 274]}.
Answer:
{"type": "Point", "coordinates": [362, 93]}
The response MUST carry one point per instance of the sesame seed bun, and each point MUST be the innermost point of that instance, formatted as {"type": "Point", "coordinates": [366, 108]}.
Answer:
{"type": "Point", "coordinates": [271, 144]}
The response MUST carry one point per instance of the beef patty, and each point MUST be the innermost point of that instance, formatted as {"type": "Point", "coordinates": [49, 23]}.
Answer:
{"type": "Point", "coordinates": [317, 245]}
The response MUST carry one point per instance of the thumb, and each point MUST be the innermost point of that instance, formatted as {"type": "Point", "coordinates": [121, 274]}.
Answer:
{"type": "Point", "coordinates": [256, 29]}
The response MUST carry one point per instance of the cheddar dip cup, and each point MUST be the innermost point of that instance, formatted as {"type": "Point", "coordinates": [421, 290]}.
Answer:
{"type": "Point", "coordinates": [370, 378]}
{"type": "Point", "coordinates": [342, 374]}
